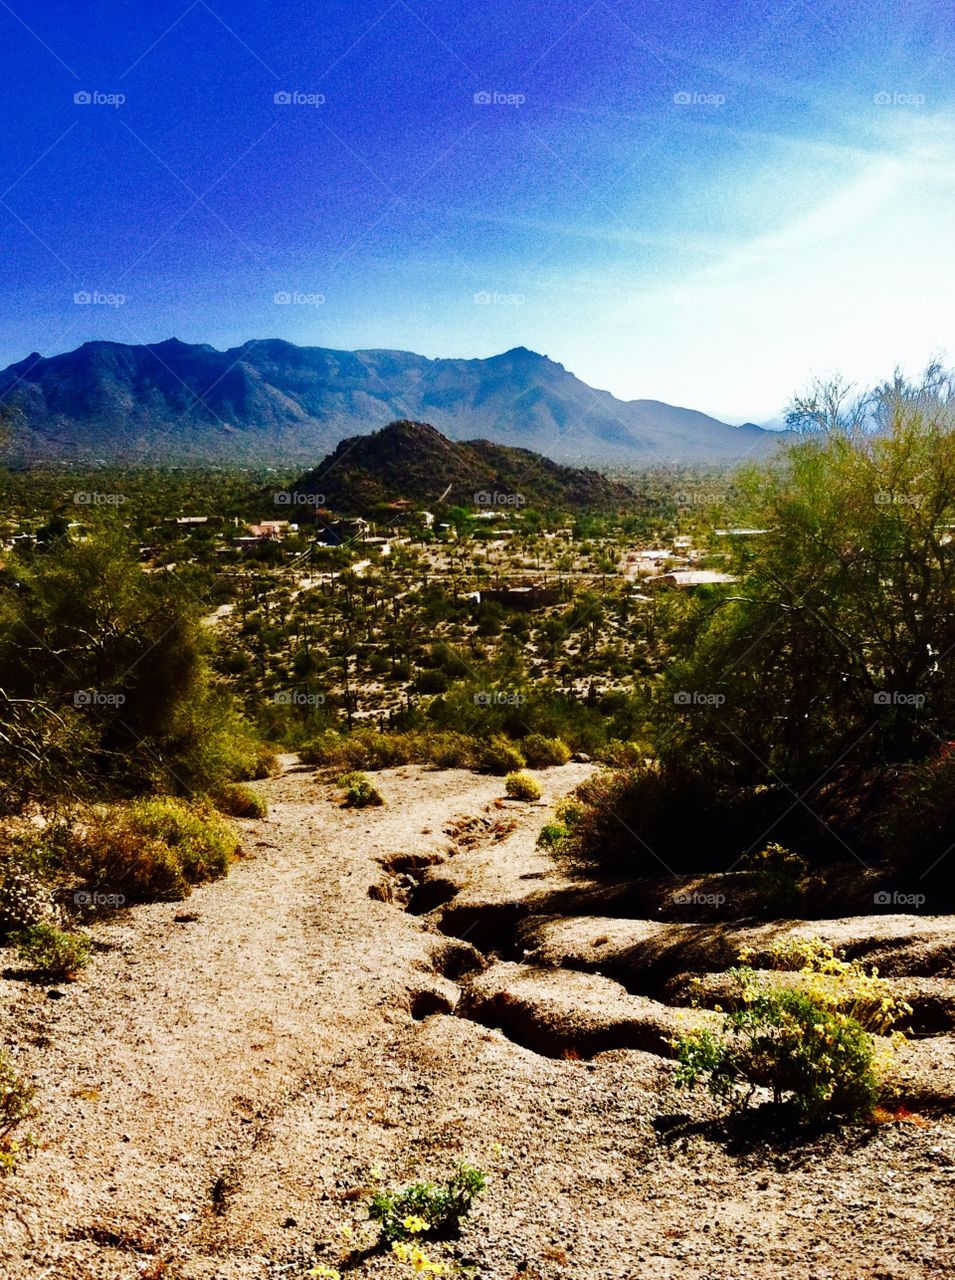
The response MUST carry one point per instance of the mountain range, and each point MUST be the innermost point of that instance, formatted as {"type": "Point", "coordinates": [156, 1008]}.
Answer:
{"type": "Point", "coordinates": [268, 401]}
{"type": "Point", "coordinates": [413, 461]}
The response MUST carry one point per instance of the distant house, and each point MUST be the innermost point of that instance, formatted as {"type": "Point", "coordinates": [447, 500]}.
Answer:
{"type": "Point", "coordinates": [274, 530]}
{"type": "Point", "coordinates": [649, 561]}
{"type": "Point", "coordinates": [687, 579]}
{"type": "Point", "coordinates": [338, 531]}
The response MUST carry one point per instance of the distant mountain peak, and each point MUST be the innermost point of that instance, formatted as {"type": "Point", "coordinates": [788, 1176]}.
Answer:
{"type": "Point", "coordinates": [269, 400]}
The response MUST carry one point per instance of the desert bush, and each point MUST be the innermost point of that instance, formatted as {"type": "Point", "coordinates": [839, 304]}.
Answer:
{"type": "Point", "coordinates": [133, 640]}
{"type": "Point", "coordinates": [26, 900]}
{"type": "Point", "coordinates": [778, 874]}
{"type": "Point", "coordinates": [552, 835]}
{"type": "Point", "coordinates": [622, 755]}
{"type": "Point", "coordinates": [425, 1208]}
{"type": "Point", "coordinates": [16, 1105]}
{"type": "Point", "coordinates": [541, 752]}
{"type": "Point", "coordinates": [212, 745]}
{"type": "Point", "coordinates": [39, 751]}
{"type": "Point", "coordinates": [360, 793]}
{"type": "Point", "coordinates": [240, 801]}
{"type": "Point", "coordinates": [362, 749]}
{"type": "Point", "coordinates": [809, 1039]}
{"type": "Point", "coordinates": [432, 680]}
{"type": "Point", "coordinates": [521, 786]}
{"type": "Point", "coordinates": [450, 750]}
{"type": "Point", "coordinates": [253, 760]}
{"type": "Point", "coordinates": [635, 822]}
{"type": "Point", "coordinates": [154, 848]}
{"type": "Point", "coordinates": [53, 952]}
{"type": "Point", "coordinates": [500, 755]}
{"type": "Point", "coordinates": [915, 825]}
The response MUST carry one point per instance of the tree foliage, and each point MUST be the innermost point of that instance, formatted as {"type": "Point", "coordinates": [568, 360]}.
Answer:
{"type": "Point", "coordinates": [838, 640]}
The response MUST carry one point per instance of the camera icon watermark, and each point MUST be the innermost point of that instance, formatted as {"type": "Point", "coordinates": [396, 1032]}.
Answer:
{"type": "Point", "coordinates": [696, 498]}
{"type": "Point", "coordinates": [885, 899]}
{"type": "Point", "coordinates": [93, 898]}
{"type": "Point", "coordinates": [892, 698]}
{"type": "Point", "coordinates": [95, 698]}
{"type": "Point", "coordinates": [292, 498]}
{"type": "Point", "coordinates": [494, 98]}
{"type": "Point", "coordinates": [686, 98]}
{"type": "Point", "coordinates": [498, 698]}
{"type": "Point", "coordinates": [896, 498]}
{"type": "Point", "coordinates": [96, 298]}
{"type": "Point", "coordinates": [295, 298]}
{"type": "Point", "coordinates": [885, 99]}
{"type": "Point", "coordinates": [485, 298]}
{"type": "Point", "coordinates": [484, 498]}
{"type": "Point", "coordinates": [699, 899]}
{"type": "Point", "coordinates": [694, 698]}
{"type": "Point", "coordinates": [296, 98]}
{"type": "Point", "coordinates": [298, 698]}
{"type": "Point", "coordinates": [83, 498]}
{"type": "Point", "coordinates": [94, 98]}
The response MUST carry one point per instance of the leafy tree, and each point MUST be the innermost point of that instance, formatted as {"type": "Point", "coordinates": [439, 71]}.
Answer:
{"type": "Point", "coordinates": [838, 641]}
{"type": "Point", "coordinates": [94, 651]}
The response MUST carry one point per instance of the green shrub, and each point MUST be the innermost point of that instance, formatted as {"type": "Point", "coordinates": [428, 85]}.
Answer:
{"type": "Point", "coordinates": [569, 811]}
{"type": "Point", "coordinates": [552, 835]}
{"type": "Point", "coordinates": [254, 760]}
{"type": "Point", "coordinates": [632, 821]}
{"type": "Point", "coordinates": [783, 1041]}
{"type": "Point", "coordinates": [449, 750]}
{"type": "Point", "coordinates": [52, 952]}
{"type": "Point", "coordinates": [362, 749]}
{"type": "Point", "coordinates": [541, 752]}
{"type": "Point", "coordinates": [432, 681]}
{"type": "Point", "coordinates": [915, 824]}
{"type": "Point", "coordinates": [521, 786]}
{"type": "Point", "coordinates": [16, 1105]}
{"type": "Point", "coordinates": [440, 1208]}
{"type": "Point", "coordinates": [556, 833]}
{"type": "Point", "coordinates": [809, 1040]}
{"type": "Point", "coordinates": [778, 874]}
{"type": "Point", "coordinates": [155, 848]}
{"type": "Point", "coordinates": [500, 755]}
{"type": "Point", "coordinates": [25, 899]}
{"type": "Point", "coordinates": [240, 801]}
{"type": "Point", "coordinates": [622, 755]}
{"type": "Point", "coordinates": [359, 791]}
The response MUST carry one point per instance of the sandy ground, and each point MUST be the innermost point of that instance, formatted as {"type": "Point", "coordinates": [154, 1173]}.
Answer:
{"type": "Point", "coordinates": [220, 1089]}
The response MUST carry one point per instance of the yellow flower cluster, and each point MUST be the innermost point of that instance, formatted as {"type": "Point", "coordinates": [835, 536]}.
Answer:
{"type": "Point", "coordinates": [841, 986]}
{"type": "Point", "coordinates": [414, 1256]}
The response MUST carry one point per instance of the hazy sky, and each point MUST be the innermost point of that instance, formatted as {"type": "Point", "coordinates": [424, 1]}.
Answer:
{"type": "Point", "coordinates": [698, 203]}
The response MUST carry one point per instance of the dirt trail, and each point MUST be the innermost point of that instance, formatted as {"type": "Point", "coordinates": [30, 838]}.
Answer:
{"type": "Point", "coordinates": [218, 1086]}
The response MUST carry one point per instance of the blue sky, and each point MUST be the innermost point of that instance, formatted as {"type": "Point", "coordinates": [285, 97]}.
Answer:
{"type": "Point", "coordinates": [704, 204]}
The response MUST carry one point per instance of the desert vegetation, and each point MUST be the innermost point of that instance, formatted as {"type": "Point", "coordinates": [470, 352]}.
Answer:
{"type": "Point", "coordinates": [701, 723]}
